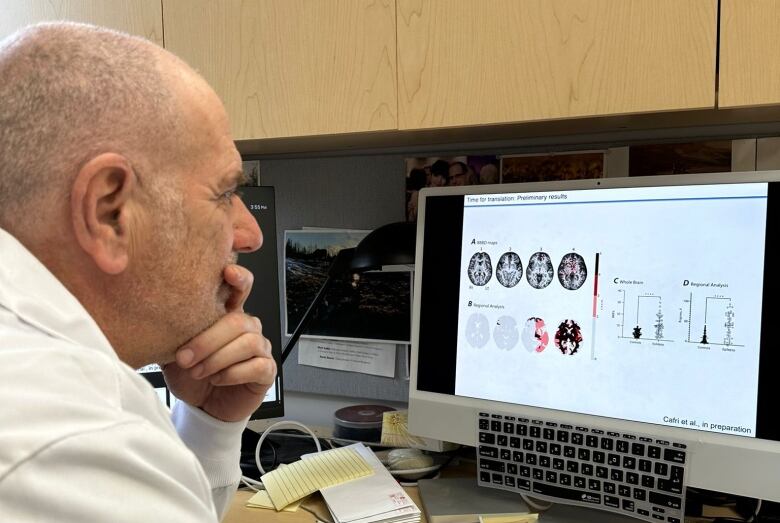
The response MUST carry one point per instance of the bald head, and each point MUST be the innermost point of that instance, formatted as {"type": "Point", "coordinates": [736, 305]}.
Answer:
{"type": "Point", "coordinates": [72, 91]}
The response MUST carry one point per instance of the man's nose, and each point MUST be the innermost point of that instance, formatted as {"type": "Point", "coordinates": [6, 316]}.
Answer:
{"type": "Point", "coordinates": [247, 236]}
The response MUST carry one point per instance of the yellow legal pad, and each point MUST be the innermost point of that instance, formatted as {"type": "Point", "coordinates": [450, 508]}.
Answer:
{"type": "Point", "coordinates": [261, 499]}
{"type": "Point", "coordinates": [325, 469]}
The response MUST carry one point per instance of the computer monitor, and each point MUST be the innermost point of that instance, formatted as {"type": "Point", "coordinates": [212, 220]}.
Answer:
{"type": "Point", "coordinates": [263, 301]}
{"type": "Point", "coordinates": [617, 306]}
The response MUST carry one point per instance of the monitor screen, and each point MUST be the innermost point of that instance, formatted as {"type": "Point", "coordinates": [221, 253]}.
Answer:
{"type": "Point", "coordinates": [634, 304]}
{"type": "Point", "coordinates": [262, 302]}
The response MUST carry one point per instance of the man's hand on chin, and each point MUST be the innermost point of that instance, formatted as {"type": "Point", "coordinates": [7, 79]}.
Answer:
{"type": "Point", "coordinates": [226, 369]}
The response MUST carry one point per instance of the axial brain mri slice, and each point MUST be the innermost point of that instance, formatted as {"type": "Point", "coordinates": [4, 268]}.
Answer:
{"type": "Point", "coordinates": [509, 269]}
{"type": "Point", "coordinates": [480, 269]}
{"type": "Point", "coordinates": [572, 272]}
{"type": "Point", "coordinates": [505, 334]}
{"type": "Point", "coordinates": [540, 270]}
{"type": "Point", "coordinates": [568, 337]}
{"type": "Point", "coordinates": [477, 330]}
{"type": "Point", "coordinates": [535, 337]}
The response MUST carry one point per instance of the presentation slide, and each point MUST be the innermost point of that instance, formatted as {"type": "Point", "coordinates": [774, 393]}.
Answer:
{"type": "Point", "coordinates": [637, 303]}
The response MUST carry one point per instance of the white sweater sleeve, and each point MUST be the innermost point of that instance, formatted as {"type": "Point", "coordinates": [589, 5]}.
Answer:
{"type": "Point", "coordinates": [217, 444]}
{"type": "Point", "coordinates": [128, 471]}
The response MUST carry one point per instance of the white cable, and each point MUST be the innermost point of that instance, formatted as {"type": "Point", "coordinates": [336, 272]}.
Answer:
{"type": "Point", "coordinates": [251, 483]}
{"type": "Point", "coordinates": [755, 512]}
{"type": "Point", "coordinates": [541, 507]}
{"type": "Point", "coordinates": [282, 424]}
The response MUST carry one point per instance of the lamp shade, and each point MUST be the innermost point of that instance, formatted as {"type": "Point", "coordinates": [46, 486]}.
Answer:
{"type": "Point", "coordinates": [391, 244]}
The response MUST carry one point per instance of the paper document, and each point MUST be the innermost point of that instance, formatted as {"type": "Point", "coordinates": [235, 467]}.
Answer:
{"type": "Point", "coordinates": [324, 469]}
{"type": "Point", "coordinates": [375, 498]}
{"type": "Point", "coordinates": [261, 499]}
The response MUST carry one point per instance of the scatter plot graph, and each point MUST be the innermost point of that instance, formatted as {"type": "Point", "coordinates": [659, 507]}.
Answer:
{"type": "Point", "coordinates": [712, 321]}
{"type": "Point", "coordinates": [641, 318]}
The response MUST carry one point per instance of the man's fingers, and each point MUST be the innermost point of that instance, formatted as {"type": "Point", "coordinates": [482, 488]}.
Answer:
{"type": "Point", "coordinates": [227, 329]}
{"type": "Point", "coordinates": [257, 373]}
{"type": "Point", "coordinates": [240, 279]}
{"type": "Point", "coordinates": [247, 346]}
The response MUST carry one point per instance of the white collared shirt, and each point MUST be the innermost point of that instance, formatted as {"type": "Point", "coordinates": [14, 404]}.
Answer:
{"type": "Point", "coordinates": [83, 437]}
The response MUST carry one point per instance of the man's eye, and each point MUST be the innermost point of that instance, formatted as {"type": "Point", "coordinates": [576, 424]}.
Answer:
{"type": "Point", "coordinates": [227, 196]}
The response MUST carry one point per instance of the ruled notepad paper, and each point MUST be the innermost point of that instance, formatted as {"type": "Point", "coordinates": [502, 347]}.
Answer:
{"type": "Point", "coordinates": [325, 469]}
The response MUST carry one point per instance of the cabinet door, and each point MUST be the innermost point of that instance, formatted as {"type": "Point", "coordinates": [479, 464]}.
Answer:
{"type": "Point", "coordinates": [462, 62]}
{"type": "Point", "coordinates": [138, 17]}
{"type": "Point", "coordinates": [292, 67]}
{"type": "Point", "coordinates": [749, 53]}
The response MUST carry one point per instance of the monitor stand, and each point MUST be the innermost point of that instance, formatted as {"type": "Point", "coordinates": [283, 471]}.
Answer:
{"type": "Point", "coordinates": [461, 500]}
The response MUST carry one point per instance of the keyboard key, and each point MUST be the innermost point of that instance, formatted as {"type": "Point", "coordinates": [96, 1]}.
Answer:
{"type": "Point", "coordinates": [624, 491]}
{"type": "Point", "coordinates": [594, 484]}
{"type": "Point", "coordinates": [523, 484]}
{"type": "Point", "coordinates": [551, 477]}
{"type": "Point", "coordinates": [484, 424]}
{"type": "Point", "coordinates": [486, 437]}
{"type": "Point", "coordinates": [555, 449]}
{"type": "Point", "coordinates": [517, 456]}
{"type": "Point", "coordinates": [488, 452]}
{"type": "Point", "coordinates": [509, 481]}
{"type": "Point", "coordinates": [548, 434]}
{"type": "Point", "coordinates": [506, 454]}
{"type": "Point", "coordinates": [528, 444]}
{"type": "Point", "coordinates": [484, 476]}
{"type": "Point", "coordinates": [638, 449]}
{"type": "Point", "coordinates": [579, 482]}
{"type": "Point", "coordinates": [616, 475]}
{"type": "Point", "coordinates": [654, 452]}
{"type": "Point", "coordinates": [661, 469]}
{"type": "Point", "coordinates": [514, 442]}
{"type": "Point", "coordinates": [609, 487]}
{"type": "Point", "coordinates": [562, 436]}
{"type": "Point", "coordinates": [665, 500]}
{"type": "Point", "coordinates": [502, 440]}
{"type": "Point", "coordinates": [544, 461]}
{"type": "Point", "coordinates": [566, 493]}
{"type": "Point", "coordinates": [522, 430]}
{"type": "Point", "coordinates": [628, 505]}
{"type": "Point", "coordinates": [573, 467]}
{"type": "Point", "coordinates": [489, 464]}
{"type": "Point", "coordinates": [525, 471]}
{"type": "Point", "coordinates": [640, 494]}
{"type": "Point", "coordinates": [558, 464]}
{"type": "Point", "coordinates": [629, 462]}
{"type": "Point", "coordinates": [642, 512]}
{"type": "Point", "coordinates": [535, 432]}
{"type": "Point", "coordinates": [587, 469]}
{"type": "Point", "coordinates": [645, 465]}
{"type": "Point", "coordinates": [541, 447]}
{"type": "Point", "coordinates": [530, 458]}
{"type": "Point", "coordinates": [497, 479]}
{"type": "Point", "coordinates": [583, 454]}
{"type": "Point", "coordinates": [613, 460]}
{"type": "Point", "coordinates": [611, 501]}
{"type": "Point", "coordinates": [538, 474]}
{"type": "Point", "coordinates": [509, 428]}
{"type": "Point", "coordinates": [565, 480]}
{"type": "Point", "coordinates": [577, 438]}
{"type": "Point", "coordinates": [511, 468]}
{"type": "Point", "coordinates": [591, 441]}
{"type": "Point", "coordinates": [599, 457]}
{"type": "Point", "coordinates": [648, 481]}
{"type": "Point", "coordinates": [622, 446]}
{"type": "Point", "coordinates": [495, 426]}
{"type": "Point", "coordinates": [569, 452]}
{"type": "Point", "coordinates": [632, 478]}
{"type": "Point", "coordinates": [602, 472]}
{"type": "Point", "coordinates": [676, 456]}
{"type": "Point", "coordinates": [606, 444]}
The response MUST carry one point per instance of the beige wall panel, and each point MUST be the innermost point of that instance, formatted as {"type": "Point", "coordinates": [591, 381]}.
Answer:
{"type": "Point", "coordinates": [462, 62]}
{"type": "Point", "coordinates": [138, 17]}
{"type": "Point", "coordinates": [292, 67]}
{"type": "Point", "coordinates": [749, 53]}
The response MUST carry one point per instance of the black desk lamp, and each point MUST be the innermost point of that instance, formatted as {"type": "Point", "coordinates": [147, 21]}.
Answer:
{"type": "Point", "coordinates": [391, 244]}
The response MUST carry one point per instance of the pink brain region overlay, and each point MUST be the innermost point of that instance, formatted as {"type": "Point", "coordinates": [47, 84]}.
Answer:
{"type": "Point", "coordinates": [535, 337]}
{"type": "Point", "coordinates": [506, 334]}
{"type": "Point", "coordinates": [568, 337]}
{"type": "Point", "coordinates": [572, 272]}
{"type": "Point", "coordinates": [540, 270]}
{"type": "Point", "coordinates": [509, 269]}
{"type": "Point", "coordinates": [477, 330]}
{"type": "Point", "coordinates": [480, 269]}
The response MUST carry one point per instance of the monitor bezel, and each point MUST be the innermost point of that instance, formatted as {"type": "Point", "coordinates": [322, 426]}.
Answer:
{"type": "Point", "coordinates": [722, 462]}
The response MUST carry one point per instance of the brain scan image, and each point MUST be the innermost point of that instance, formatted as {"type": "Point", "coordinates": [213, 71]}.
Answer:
{"type": "Point", "coordinates": [480, 269]}
{"type": "Point", "coordinates": [572, 272]}
{"type": "Point", "coordinates": [509, 269]}
{"type": "Point", "coordinates": [505, 334]}
{"type": "Point", "coordinates": [535, 337]}
{"type": "Point", "coordinates": [540, 270]}
{"type": "Point", "coordinates": [477, 330]}
{"type": "Point", "coordinates": [568, 337]}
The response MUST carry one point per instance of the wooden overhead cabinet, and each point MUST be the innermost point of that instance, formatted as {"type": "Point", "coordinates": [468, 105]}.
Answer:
{"type": "Point", "coordinates": [749, 53]}
{"type": "Point", "coordinates": [138, 17]}
{"type": "Point", "coordinates": [463, 63]}
{"type": "Point", "coordinates": [292, 67]}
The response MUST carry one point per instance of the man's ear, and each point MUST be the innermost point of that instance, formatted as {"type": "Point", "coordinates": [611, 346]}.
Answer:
{"type": "Point", "coordinates": [100, 195]}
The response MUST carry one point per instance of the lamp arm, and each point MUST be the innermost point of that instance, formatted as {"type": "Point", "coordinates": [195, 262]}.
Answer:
{"type": "Point", "coordinates": [339, 266]}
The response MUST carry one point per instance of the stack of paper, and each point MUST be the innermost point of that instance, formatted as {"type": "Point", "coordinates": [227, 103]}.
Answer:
{"type": "Point", "coordinates": [290, 483]}
{"type": "Point", "coordinates": [377, 498]}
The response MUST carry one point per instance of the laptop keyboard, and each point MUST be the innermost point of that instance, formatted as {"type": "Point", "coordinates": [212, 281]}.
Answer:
{"type": "Point", "coordinates": [630, 474]}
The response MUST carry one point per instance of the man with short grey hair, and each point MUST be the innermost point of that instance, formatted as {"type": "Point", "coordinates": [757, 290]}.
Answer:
{"type": "Point", "coordinates": [120, 227]}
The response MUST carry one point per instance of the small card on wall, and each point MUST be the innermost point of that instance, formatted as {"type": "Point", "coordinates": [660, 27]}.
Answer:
{"type": "Point", "coordinates": [376, 358]}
